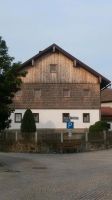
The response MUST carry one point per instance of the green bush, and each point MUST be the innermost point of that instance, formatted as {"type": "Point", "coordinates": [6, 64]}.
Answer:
{"type": "Point", "coordinates": [96, 130]}
{"type": "Point", "coordinates": [28, 125]}
{"type": "Point", "coordinates": [99, 126]}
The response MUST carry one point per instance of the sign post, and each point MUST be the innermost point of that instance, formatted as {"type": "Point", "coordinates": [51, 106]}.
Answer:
{"type": "Point", "coordinates": [70, 124]}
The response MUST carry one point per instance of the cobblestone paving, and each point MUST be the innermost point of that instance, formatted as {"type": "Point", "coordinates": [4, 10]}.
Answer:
{"type": "Point", "coordinates": [83, 176]}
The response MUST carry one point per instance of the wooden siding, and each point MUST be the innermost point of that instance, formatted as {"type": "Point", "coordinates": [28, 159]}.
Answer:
{"type": "Point", "coordinates": [66, 71]}
{"type": "Point", "coordinates": [82, 96]}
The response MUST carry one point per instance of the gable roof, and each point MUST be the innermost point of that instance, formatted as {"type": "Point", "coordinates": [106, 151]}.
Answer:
{"type": "Point", "coordinates": [106, 95]}
{"type": "Point", "coordinates": [55, 47]}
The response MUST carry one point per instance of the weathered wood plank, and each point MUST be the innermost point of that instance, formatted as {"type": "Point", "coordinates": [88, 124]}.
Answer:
{"type": "Point", "coordinates": [66, 71]}
{"type": "Point", "coordinates": [82, 96]}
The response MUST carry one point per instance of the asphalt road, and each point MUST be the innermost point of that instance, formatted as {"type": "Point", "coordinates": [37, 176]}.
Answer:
{"type": "Point", "coordinates": [84, 176]}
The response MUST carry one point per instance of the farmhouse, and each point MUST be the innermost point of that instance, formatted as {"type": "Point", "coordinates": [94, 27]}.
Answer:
{"type": "Point", "coordinates": [58, 87]}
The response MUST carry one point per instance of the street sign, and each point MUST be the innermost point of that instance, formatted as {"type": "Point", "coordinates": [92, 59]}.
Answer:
{"type": "Point", "coordinates": [70, 125]}
{"type": "Point", "coordinates": [76, 118]}
{"type": "Point", "coordinates": [67, 120]}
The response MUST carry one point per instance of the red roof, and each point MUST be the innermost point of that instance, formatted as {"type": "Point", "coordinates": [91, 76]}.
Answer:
{"type": "Point", "coordinates": [106, 111]}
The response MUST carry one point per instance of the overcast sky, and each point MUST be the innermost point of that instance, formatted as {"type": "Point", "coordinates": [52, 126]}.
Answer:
{"type": "Point", "coordinates": [81, 27]}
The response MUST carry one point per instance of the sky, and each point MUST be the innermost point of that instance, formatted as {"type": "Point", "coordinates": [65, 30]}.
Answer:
{"type": "Point", "coordinates": [81, 27]}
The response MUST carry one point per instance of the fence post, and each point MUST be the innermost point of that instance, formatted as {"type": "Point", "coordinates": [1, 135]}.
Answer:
{"type": "Point", "coordinates": [86, 140]}
{"type": "Point", "coordinates": [16, 136]}
{"type": "Point", "coordinates": [105, 137]}
{"type": "Point", "coordinates": [36, 137]}
{"type": "Point", "coordinates": [61, 150]}
{"type": "Point", "coordinates": [61, 137]}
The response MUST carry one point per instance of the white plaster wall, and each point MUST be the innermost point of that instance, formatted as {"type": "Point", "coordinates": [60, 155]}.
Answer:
{"type": "Point", "coordinates": [52, 118]}
{"type": "Point", "coordinates": [108, 104]}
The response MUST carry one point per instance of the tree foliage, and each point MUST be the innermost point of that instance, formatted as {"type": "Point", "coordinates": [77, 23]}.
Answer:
{"type": "Point", "coordinates": [10, 82]}
{"type": "Point", "coordinates": [28, 125]}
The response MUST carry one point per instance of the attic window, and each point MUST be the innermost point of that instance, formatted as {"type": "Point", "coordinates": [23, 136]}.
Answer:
{"type": "Point", "coordinates": [86, 91]}
{"type": "Point", "coordinates": [53, 68]}
{"type": "Point", "coordinates": [66, 93]}
{"type": "Point", "coordinates": [19, 93]}
{"type": "Point", "coordinates": [37, 93]}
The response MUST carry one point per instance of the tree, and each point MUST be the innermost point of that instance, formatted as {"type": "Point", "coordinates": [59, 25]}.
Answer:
{"type": "Point", "coordinates": [10, 82]}
{"type": "Point", "coordinates": [28, 125]}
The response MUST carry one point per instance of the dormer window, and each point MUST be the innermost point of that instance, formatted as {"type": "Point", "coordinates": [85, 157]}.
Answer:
{"type": "Point", "coordinates": [53, 68]}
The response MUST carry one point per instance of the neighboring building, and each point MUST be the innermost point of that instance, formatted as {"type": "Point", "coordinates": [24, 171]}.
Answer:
{"type": "Point", "coordinates": [58, 86]}
{"type": "Point", "coordinates": [106, 106]}
{"type": "Point", "coordinates": [106, 97]}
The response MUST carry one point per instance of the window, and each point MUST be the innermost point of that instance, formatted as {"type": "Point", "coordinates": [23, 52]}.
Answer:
{"type": "Point", "coordinates": [1, 71]}
{"type": "Point", "coordinates": [86, 91]}
{"type": "Point", "coordinates": [66, 93]}
{"type": "Point", "coordinates": [65, 117]}
{"type": "Point", "coordinates": [19, 93]}
{"type": "Point", "coordinates": [108, 125]}
{"type": "Point", "coordinates": [36, 117]}
{"type": "Point", "coordinates": [18, 117]}
{"type": "Point", "coordinates": [86, 117]}
{"type": "Point", "coordinates": [37, 93]}
{"type": "Point", "coordinates": [53, 68]}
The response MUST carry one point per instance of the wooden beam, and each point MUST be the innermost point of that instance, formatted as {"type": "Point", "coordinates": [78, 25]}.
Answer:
{"type": "Point", "coordinates": [100, 79]}
{"type": "Point", "coordinates": [54, 49]}
{"type": "Point", "coordinates": [75, 63]}
{"type": "Point", "coordinates": [33, 62]}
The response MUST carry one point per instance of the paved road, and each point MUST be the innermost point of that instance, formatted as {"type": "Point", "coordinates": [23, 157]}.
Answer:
{"type": "Point", "coordinates": [83, 176]}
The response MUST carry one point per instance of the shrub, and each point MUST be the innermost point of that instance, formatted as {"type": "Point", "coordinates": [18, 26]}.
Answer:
{"type": "Point", "coordinates": [99, 126]}
{"type": "Point", "coordinates": [96, 130]}
{"type": "Point", "coordinates": [28, 125]}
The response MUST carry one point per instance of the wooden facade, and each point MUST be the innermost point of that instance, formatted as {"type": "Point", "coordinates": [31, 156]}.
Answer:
{"type": "Point", "coordinates": [43, 89]}
{"type": "Point", "coordinates": [66, 72]}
